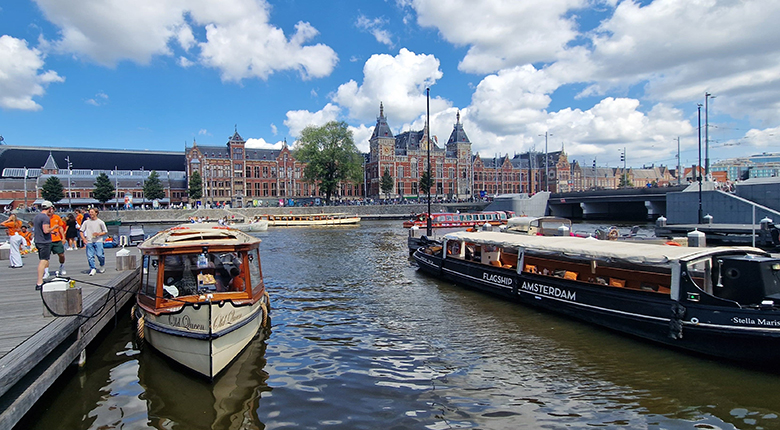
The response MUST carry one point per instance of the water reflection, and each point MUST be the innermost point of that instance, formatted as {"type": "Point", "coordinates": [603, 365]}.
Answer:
{"type": "Point", "coordinates": [362, 340]}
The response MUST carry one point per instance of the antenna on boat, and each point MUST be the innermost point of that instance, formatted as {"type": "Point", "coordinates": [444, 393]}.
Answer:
{"type": "Point", "coordinates": [429, 230]}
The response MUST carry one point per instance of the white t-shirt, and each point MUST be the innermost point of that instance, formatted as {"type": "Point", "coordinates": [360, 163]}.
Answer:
{"type": "Point", "coordinates": [89, 226]}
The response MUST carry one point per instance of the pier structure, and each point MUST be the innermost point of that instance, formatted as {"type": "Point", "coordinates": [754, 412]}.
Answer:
{"type": "Point", "coordinates": [35, 349]}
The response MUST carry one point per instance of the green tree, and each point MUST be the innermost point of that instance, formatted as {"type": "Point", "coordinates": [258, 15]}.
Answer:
{"type": "Point", "coordinates": [53, 190]}
{"type": "Point", "coordinates": [386, 185]}
{"type": "Point", "coordinates": [153, 189]}
{"type": "Point", "coordinates": [195, 190]}
{"type": "Point", "coordinates": [624, 181]}
{"type": "Point", "coordinates": [104, 189]}
{"type": "Point", "coordinates": [330, 156]}
{"type": "Point", "coordinates": [426, 182]}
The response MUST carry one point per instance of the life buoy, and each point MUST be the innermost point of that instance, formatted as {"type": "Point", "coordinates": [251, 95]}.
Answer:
{"type": "Point", "coordinates": [672, 243]}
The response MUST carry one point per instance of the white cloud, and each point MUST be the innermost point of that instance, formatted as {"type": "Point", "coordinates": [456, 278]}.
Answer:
{"type": "Point", "coordinates": [203, 132]}
{"type": "Point", "coordinates": [20, 75]}
{"type": "Point", "coordinates": [374, 26]}
{"type": "Point", "coordinates": [361, 134]}
{"type": "Point", "coordinates": [274, 130]}
{"type": "Point", "coordinates": [397, 81]}
{"type": "Point", "coordinates": [100, 99]}
{"type": "Point", "coordinates": [297, 120]}
{"type": "Point", "coordinates": [502, 33]}
{"type": "Point", "coordinates": [260, 143]}
{"type": "Point", "coordinates": [239, 40]}
{"type": "Point", "coordinates": [185, 62]}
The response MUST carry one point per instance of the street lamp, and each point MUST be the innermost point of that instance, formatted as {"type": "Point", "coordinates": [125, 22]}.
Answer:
{"type": "Point", "coordinates": [546, 163]}
{"type": "Point", "coordinates": [67, 159]}
{"type": "Point", "coordinates": [429, 227]}
{"type": "Point", "coordinates": [707, 96]}
{"type": "Point", "coordinates": [698, 168]}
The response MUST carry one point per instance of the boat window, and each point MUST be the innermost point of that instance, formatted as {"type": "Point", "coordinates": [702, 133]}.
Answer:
{"type": "Point", "coordinates": [149, 277]}
{"type": "Point", "coordinates": [701, 269]}
{"type": "Point", "coordinates": [255, 272]}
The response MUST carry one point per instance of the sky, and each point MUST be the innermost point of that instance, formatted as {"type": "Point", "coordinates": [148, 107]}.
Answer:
{"type": "Point", "coordinates": [594, 77]}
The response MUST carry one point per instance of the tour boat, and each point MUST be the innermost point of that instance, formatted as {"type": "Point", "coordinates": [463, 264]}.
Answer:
{"type": "Point", "coordinates": [722, 302]}
{"type": "Point", "coordinates": [311, 220]}
{"type": "Point", "coordinates": [202, 298]}
{"type": "Point", "coordinates": [455, 220]}
{"type": "Point", "coordinates": [254, 225]}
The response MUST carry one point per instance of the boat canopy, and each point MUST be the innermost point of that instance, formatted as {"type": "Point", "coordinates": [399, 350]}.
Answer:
{"type": "Point", "coordinates": [196, 234]}
{"type": "Point", "coordinates": [594, 249]}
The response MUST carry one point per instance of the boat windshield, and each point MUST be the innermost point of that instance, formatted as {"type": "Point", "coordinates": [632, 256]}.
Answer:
{"type": "Point", "coordinates": [198, 273]}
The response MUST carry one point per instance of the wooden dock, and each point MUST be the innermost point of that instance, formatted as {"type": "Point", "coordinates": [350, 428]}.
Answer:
{"type": "Point", "coordinates": [35, 350]}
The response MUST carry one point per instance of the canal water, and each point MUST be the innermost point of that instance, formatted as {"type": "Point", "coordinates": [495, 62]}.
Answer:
{"type": "Point", "coordinates": [361, 340]}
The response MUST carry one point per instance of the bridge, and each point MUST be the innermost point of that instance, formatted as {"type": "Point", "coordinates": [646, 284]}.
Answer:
{"type": "Point", "coordinates": [634, 204]}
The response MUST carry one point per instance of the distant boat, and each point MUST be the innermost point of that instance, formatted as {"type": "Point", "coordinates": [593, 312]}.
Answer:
{"type": "Point", "coordinates": [456, 220]}
{"type": "Point", "coordinates": [310, 220]}
{"type": "Point", "coordinates": [254, 225]}
{"type": "Point", "coordinates": [722, 302]}
{"type": "Point", "coordinates": [202, 298]}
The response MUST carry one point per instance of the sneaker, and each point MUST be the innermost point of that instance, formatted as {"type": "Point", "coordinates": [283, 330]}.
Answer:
{"type": "Point", "coordinates": [38, 287]}
{"type": "Point", "coordinates": [69, 249]}
{"type": "Point", "coordinates": [92, 272]}
{"type": "Point", "coordinates": [62, 272]}
{"type": "Point", "coordinates": [101, 270]}
{"type": "Point", "coordinates": [46, 273]}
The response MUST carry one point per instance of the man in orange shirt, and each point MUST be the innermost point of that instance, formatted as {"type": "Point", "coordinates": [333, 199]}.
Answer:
{"type": "Point", "coordinates": [57, 240]}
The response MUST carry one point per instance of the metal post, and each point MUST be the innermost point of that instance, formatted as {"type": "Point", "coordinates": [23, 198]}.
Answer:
{"type": "Point", "coordinates": [679, 178]}
{"type": "Point", "coordinates": [67, 159]}
{"type": "Point", "coordinates": [707, 96]}
{"type": "Point", "coordinates": [116, 191]}
{"type": "Point", "coordinates": [25, 189]}
{"type": "Point", "coordinates": [698, 168]}
{"type": "Point", "coordinates": [429, 229]}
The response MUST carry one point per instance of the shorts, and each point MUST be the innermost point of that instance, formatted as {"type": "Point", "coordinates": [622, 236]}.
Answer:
{"type": "Point", "coordinates": [57, 248]}
{"type": "Point", "coordinates": [44, 251]}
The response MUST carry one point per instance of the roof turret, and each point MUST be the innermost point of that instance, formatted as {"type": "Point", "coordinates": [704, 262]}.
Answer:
{"type": "Point", "coordinates": [458, 134]}
{"type": "Point", "coordinates": [381, 129]}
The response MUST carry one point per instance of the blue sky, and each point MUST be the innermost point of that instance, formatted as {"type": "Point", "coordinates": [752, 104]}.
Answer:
{"type": "Point", "coordinates": [596, 75]}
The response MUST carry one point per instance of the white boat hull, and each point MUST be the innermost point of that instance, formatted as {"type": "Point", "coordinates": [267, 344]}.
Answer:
{"type": "Point", "coordinates": [261, 225]}
{"type": "Point", "coordinates": [206, 339]}
{"type": "Point", "coordinates": [313, 222]}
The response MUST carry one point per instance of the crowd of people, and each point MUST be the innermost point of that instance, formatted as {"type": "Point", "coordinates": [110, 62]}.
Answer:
{"type": "Point", "coordinates": [49, 234]}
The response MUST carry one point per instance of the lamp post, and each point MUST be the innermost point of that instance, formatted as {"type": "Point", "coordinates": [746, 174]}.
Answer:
{"type": "Point", "coordinates": [707, 96]}
{"type": "Point", "coordinates": [116, 191]}
{"type": "Point", "coordinates": [546, 163]}
{"type": "Point", "coordinates": [25, 188]}
{"type": "Point", "coordinates": [429, 228]}
{"type": "Point", "coordinates": [698, 168]}
{"type": "Point", "coordinates": [67, 159]}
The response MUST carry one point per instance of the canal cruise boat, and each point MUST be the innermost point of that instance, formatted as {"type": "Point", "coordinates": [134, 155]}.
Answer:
{"type": "Point", "coordinates": [311, 220]}
{"type": "Point", "coordinates": [202, 298]}
{"type": "Point", "coordinates": [722, 302]}
{"type": "Point", "coordinates": [457, 220]}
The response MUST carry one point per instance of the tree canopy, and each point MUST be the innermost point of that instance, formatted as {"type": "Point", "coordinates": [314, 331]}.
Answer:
{"type": "Point", "coordinates": [104, 189]}
{"type": "Point", "coordinates": [195, 190]}
{"type": "Point", "coordinates": [153, 189]}
{"type": "Point", "coordinates": [330, 155]}
{"type": "Point", "coordinates": [426, 182]}
{"type": "Point", "coordinates": [386, 185]}
{"type": "Point", "coordinates": [52, 190]}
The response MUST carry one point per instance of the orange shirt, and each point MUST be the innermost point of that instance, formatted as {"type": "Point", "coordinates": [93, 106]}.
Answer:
{"type": "Point", "coordinates": [27, 236]}
{"type": "Point", "coordinates": [12, 226]}
{"type": "Point", "coordinates": [79, 218]}
{"type": "Point", "coordinates": [55, 221]}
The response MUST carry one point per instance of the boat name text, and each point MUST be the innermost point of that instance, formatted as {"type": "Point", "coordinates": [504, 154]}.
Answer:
{"type": "Point", "coordinates": [547, 290]}
{"type": "Point", "coordinates": [756, 321]}
{"type": "Point", "coordinates": [496, 279]}
{"type": "Point", "coordinates": [227, 319]}
{"type": "Point", "coordinates": [184, 322]}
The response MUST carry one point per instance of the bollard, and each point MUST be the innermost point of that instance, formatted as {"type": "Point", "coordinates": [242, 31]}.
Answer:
{"type": "Point", "coordinates": [62, 296]}
{"type": "Point", "coordinates": [563, 230]}
{"type": "Point", "coordinates": [708, 219]}
{"type": "Point", "coordinates": [661, 221]}
{"type": "Point", "coordinates": [5, 251]}
{"type": "Point", "coordinates": [125, 260]}
{"type": "Point", "coordinates": [765, 223]}
{"type": "Point", "coordinates": [697, 239]}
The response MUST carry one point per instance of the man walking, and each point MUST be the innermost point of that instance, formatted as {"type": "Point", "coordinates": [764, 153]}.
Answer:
{"type": "Point", "coordinates": [43, 229]}
{"type": "Point", "coordinates": [92, 232]}
{"type": "Point", "coordinates": [58, 241]}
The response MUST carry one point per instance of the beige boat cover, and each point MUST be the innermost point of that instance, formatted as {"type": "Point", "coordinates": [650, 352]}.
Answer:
{"type": "Point", "coordinates": [594, 249]}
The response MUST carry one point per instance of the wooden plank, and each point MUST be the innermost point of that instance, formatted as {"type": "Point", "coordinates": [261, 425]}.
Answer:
{"type": "Point", "coordinates": [28, 339]}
